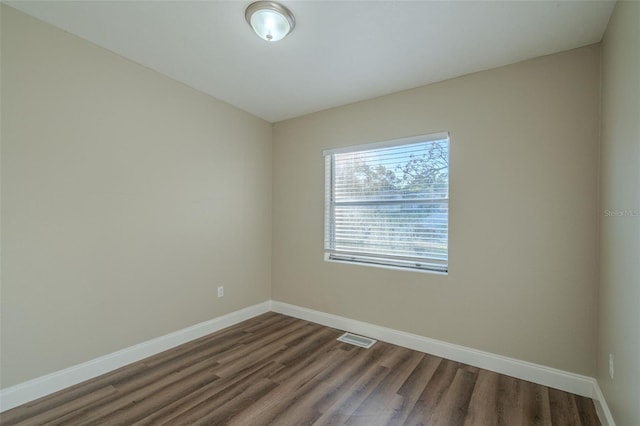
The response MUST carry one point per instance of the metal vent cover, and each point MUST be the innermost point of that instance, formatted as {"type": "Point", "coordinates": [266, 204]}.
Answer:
{"type": "Point", "coordinates": [354, 339]}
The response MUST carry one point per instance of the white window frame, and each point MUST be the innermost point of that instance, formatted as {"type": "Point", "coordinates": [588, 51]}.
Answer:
{"type": "Point", "coordinates": [424, 264]}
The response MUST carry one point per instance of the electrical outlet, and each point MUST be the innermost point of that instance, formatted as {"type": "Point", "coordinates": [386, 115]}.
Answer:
{"type": "Point", "coordinates": [611, 366]}
{"type": "Point", "coordinates": [220, 291]}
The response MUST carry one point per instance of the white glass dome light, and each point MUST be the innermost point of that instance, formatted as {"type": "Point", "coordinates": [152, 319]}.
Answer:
{"type": "Point", "coordinates": [270, 20]}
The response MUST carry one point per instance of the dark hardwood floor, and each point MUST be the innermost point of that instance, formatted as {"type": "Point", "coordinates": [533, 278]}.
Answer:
{"type": "Point", "coordinates": [279, 370]}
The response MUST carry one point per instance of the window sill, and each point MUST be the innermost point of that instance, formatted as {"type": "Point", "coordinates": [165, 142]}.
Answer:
{"type": "Point", "coordinates": [391, 267]}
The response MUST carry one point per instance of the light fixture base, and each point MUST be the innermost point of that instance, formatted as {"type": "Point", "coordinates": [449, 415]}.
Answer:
{"type": "Point", "coordinates": [271, 21]}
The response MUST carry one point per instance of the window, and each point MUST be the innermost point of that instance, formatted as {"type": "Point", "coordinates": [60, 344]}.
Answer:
{"type": "Point", "coordinates": [388, 203]}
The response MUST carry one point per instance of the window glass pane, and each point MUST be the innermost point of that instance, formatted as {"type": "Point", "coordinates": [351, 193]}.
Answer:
{"type": "Point", "coordinates": [413, 230]}
{"type": "Point", "coordinates": [389, 205]}
{"type": "Point", "coordinates": [413, 171]}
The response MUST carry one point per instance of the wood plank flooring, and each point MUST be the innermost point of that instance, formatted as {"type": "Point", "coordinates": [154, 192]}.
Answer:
{"type": "Point", "coordinates": [278, 370]}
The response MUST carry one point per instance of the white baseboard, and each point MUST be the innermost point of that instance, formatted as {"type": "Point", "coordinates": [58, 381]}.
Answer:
{"type": "Point", "coordinates": [45, 385]}
{"type": "Point", "coordinates": [601, 406]}
{"type": "Point", "coordinates": [546, 376]}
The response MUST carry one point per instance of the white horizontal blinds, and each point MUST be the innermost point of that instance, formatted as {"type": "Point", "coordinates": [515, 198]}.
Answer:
{"type": "Point", "coordinates": [389, 205]}
{"type": "Point", "coordinates": [329, 206]}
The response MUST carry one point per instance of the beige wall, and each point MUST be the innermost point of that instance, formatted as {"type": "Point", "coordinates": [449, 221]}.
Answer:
{"type": "Point", "coordinates": [524, 155]}
{"type": "Point", "coordinates": [127, 197]}
{"type": "Point", "coordinates": [619, 298]}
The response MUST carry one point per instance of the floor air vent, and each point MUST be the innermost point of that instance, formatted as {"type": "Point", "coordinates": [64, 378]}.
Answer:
{"type": "Point", "coordinates": [354, 339]}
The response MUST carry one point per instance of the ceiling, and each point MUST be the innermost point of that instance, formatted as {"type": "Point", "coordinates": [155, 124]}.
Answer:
{"type": "Point", "coordinates": [339, 52]}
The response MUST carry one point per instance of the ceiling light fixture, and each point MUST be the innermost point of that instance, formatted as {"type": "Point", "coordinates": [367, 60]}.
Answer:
{"type": "Point", "coordinates": [270, 20]}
